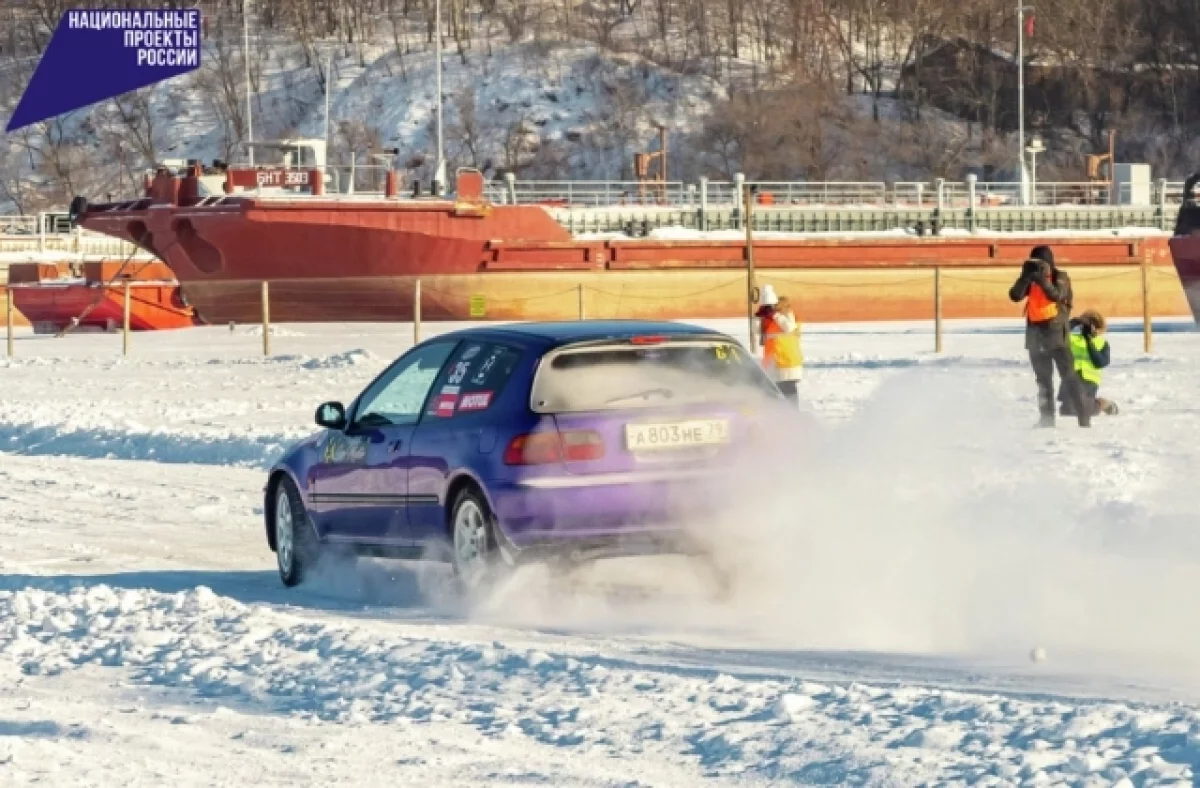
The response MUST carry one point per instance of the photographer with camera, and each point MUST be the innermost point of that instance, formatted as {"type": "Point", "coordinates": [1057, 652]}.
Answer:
{"type": "Point", "coordinates": [1092, 353]}
{"type": "Point", "coordinates": [1048, 301]}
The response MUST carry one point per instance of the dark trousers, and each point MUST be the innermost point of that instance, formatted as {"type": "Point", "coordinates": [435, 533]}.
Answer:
{"type": "Point", "coordinates": [790, 390]}
{"type": "Point", "coordinates": [1044, 363]}
{"type": "Point", "coordinates": [1091, 393]}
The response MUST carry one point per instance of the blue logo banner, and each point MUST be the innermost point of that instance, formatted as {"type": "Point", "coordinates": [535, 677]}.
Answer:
{"type": "Point", "coordinates": [96, 55]}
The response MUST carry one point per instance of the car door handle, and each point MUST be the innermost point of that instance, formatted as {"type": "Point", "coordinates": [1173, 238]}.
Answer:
{"type": "Point", "coordinates": [396, 444]}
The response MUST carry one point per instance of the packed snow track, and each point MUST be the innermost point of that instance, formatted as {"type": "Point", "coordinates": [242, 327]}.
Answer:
{"type": "Point", "coordinates": [899, 586]}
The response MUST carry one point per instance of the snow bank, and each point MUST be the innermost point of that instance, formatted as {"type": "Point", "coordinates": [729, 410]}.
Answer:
{"type": "Point", "coordinates": [770, 728]}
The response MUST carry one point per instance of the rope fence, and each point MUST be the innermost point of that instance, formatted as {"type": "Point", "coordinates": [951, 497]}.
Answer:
{"type": "Point", "coordinates": [403, 299]}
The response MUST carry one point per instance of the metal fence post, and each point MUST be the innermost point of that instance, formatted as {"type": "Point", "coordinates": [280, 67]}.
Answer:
{"type": "Point", "coordinates": [510, 183]}
{"type": "Point", "coordinates": [750, 283]}
{"type": "Point", "coordinates": [941, 194]}
{"type": "Point", "coordinates": [266, 318]}
{"type": "Point", "coordinates": [739, 186]}
{"type": "Point", "coordinates": [581, 312]}
{"type": "Point", "coordinates": [1147, 323]}
{"type": "Point", "coordinates": [41, 232]}
{"type": "Point", "coordinates": [1162, 203]}
{"type": "Point", "coordinates": [8, 318]}
{"type": "Point", "coordinates": [417, 312]}
{"type": "Point", "coordinates": [125, 323]}
{"type": "Point", "coordinates": [937, 309]}
{"type": "Point", "coordinates": [972, 180]}
{"type": "Point", "coordinates": [703, 221]}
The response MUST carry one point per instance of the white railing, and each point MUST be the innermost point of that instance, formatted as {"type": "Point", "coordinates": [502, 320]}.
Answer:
{"type": "Point", "coordinates": [953, 195]}
{"type": "Point", "coordinates": [593, 194]}
{"type": "Point", "coordinates": [956, 195]}
{"type": "Point", "coordinates": [52, 232]}
{"type": "Point", "coordinates": [802, 193]}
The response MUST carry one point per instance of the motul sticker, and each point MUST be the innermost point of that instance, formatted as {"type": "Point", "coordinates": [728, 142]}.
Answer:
{"type": "Point", "coordinates": [477, 400]}
{"type": "Point", "coordinates": [445, 405]}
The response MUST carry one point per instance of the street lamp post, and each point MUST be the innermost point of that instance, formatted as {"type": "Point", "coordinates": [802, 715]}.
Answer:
{"type": "Point", "coordinates": [439, 174]}
{"type": "Point", "coordinates": [328, 88]}
{"type": "Point", "coordinates": [1021, 10]}
{"type": "Point", "coordinates": [246, 61]}
{"type": "Point", "coordinates": [1033, 149]}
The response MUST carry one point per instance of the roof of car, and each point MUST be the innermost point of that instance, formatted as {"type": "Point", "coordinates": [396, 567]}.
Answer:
{"type": "Point", "coordinates": [580, 330]}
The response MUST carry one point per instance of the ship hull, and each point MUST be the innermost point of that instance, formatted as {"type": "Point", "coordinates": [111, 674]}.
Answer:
{"type": "Point", "coordinates": [346, 261]}
{"type": "Point", "coordinates": [92, 294]}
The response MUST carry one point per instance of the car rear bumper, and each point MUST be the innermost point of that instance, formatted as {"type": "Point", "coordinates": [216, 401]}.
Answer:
{"type": "Point", "coordinates": [664, 540]}
{"type": "Point", "coordinates": [600, 515]}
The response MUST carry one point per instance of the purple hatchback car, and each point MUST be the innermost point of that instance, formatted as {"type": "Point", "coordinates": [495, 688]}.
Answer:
{"type": "Point", "coordinates": [546, 441]}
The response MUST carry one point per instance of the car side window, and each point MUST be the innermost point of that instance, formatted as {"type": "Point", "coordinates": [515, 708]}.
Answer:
{"type": "Point", "coordinates": [397, 396]}
{"type": "Point", "coordinates": [473, 379]}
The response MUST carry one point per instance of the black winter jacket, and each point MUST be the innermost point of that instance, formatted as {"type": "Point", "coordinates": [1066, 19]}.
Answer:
{"type": "Point", "coordinates": [1051, 334]}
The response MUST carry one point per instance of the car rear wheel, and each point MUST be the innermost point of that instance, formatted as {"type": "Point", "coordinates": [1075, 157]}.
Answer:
{"type": "Point", "coordinates": [296, 545]}
{"type": "Point", "coordinates": [475, 558]}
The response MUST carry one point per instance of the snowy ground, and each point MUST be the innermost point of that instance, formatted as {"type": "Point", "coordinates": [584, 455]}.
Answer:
{"type": "Point", "coordinates": [884, 638]}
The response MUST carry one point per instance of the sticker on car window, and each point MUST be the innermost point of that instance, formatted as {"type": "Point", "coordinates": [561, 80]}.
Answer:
{"type": "Point", "coordinates": [486, 367]}
{"type": "Point", "coordinates": [444, 406]}
{"type": "Point", "coordinates": [476, 400]}
{"type": "Point", "coordinates": [458, 373]}
{"type": "Point", "coordinates": [471, 352]}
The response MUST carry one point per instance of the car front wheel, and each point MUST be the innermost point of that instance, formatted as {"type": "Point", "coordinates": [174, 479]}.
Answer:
{"type": "Point", "coordinates": [296, 546]}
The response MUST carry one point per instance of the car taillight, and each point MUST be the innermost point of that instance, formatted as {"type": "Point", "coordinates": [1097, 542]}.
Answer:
{"type": "Point", "coordinates": [539, 448]}
{"type": "Point", "coordinates": [647, 340]}
{"type": "Point", "coordinates": [581, 445]}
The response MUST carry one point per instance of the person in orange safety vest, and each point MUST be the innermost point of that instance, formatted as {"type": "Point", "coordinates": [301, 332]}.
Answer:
{"type": "Point", "coordinates": [1048, 302]}
{"type": "Point", "coordinates": [779, 330]}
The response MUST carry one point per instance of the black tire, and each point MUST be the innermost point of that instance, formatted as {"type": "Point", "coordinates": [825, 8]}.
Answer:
{"type": "Point", "coordinates": [474, 555]}
{"type": "Point", "coordinates": [295, 554]}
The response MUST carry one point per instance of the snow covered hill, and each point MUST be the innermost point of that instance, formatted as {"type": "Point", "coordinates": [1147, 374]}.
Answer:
{"type": "Point", "coordinates": [923, 543]}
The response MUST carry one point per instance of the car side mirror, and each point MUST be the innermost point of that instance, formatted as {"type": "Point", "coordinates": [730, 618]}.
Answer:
{"type": "Point", "coordinates": [332, 416]}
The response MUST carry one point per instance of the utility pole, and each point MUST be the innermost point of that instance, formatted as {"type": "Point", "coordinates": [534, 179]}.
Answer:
{"type": "Point", "coordinates": [439, 174]}
{"type": "Point", "coordinates": [246, 60]}
{"type": "Point", "coordinates": [328, 87]}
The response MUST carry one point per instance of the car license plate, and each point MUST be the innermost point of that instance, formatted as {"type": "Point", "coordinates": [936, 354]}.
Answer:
{"type": "Point", "coordinates": [680, 435]}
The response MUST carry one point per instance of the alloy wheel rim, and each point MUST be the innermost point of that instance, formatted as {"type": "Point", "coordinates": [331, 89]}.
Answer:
{"type": "Point", "coordinates": [470, 542]}
{"type": "Point", "coordinates": [284, 532]}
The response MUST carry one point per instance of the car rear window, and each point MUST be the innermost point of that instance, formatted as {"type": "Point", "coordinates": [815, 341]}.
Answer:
{"type": "Point", "coordinates": [612, 377]}
{"type": "Point", "coordinates": [473, 379]}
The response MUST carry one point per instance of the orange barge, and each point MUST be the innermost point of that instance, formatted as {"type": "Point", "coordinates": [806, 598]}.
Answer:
{"type": "Point", "coordinates": [53, 296]}
{"type": "Point", "coordinates": [359, 258]}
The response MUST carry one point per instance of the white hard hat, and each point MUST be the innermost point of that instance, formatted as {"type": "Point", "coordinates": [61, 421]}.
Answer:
{"type": "Point", "coordinates": [767, 297]}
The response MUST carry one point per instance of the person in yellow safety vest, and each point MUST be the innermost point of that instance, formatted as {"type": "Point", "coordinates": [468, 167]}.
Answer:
{"type": "Point", "coordinates": [779, 332]}
{"type": "Point", "coordinates": [1091, 353]}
